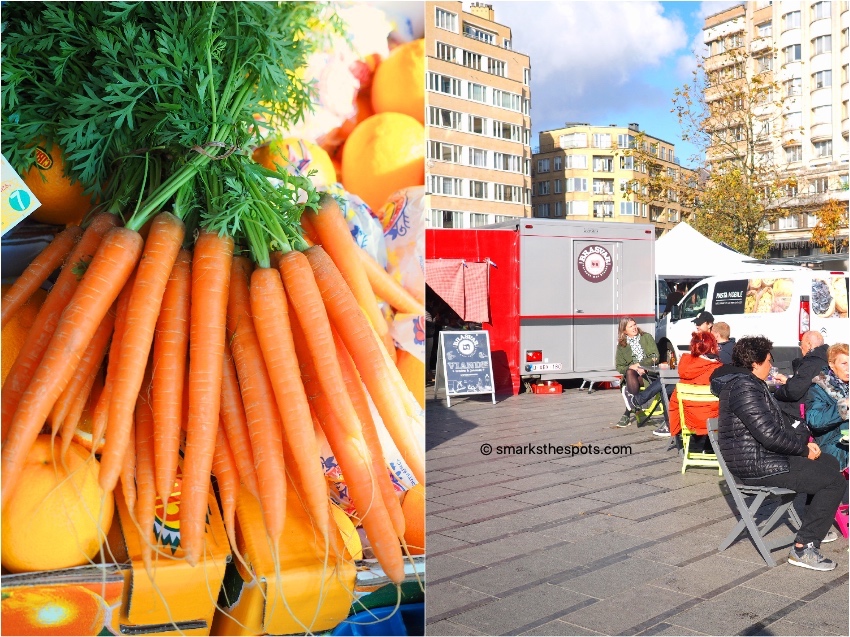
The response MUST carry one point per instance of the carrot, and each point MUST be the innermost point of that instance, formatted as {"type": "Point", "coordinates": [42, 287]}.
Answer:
{"type": "Point", "coordinates": [170, 353]}
{"type": "Point", "coordinates": [236, 425]}
{"type": "Point", "coordinates": [260, 408]}
{"type": "Point", "coordinates": [37, 272]}
{"type": "Point", "coordinates": [85, 399]}
{"type": "Point", "coordinates": [44, 326]}
{"type": "Point", "coordinates": [83, 376]}
{"type": "Point", "coordinates": [271, 321]}
{"type": "Point", "coordinates": [354, 458]}
{"type": "Point", "coordinates": [227, 477]}
{"type": "Point", "coordinates": [360, 342]}
{"type": "Point", "coordinates": [128, 473]}
{"type": "Point", "coordinates": [210, 282]}
{"type": "Point", "coordinates": [388, 288]}
{"type": "Point", "coordinates": [145, 470]}
{"type": "Point", "coordinates": [310, 234]}
{"type": "Point", "coordinates": [336, 239]}
{"type": "Point", "coordinates": [354, 386]}
{"type": "Point", "coordinates": [160, 253]}
{"type": "Point", "coordinates": [105, 276]}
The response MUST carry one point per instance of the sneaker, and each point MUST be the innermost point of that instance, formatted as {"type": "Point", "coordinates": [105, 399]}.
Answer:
{"type": "Point", "coordinates": [810, 557]}
{"type": "Point", "coordinates": [662, 431]}
{"type": "Point", "coordinates": [831, 536]}
{"type": "Point", "coordinates": [625, 420]}
{"type": "Point", "coordinates": [628, 398]}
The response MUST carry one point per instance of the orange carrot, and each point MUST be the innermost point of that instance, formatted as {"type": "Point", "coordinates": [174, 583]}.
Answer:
{"type": "Point", "coordinates": [388, 288]}
{"type": "Point", "coordinates": [227, 477]}
{"type": "Point", "coordinates": [145, 470]}
{"type": "Point", "coordinates": [210, 282]}
{"type": "Point", "coordinates": [236, 425]}
{"type": "Point", "coordinates": [170, 354]}
{"type": "Point", "coordinates": [310, 234]}
{"type": "Point", "coordinates": [44, 326]}
{"type": "Point", "coordinates": [37, 272]}
{"type": "Point", "coordinates": [336, 239]}
{"type": "Point", "coordinates": [160, 253]}
{"type": "Point", "coordinates": [271, 321]}
{"type": "Point", "coordinates": [352, 454]}
{"type": "Point", "coordinates": [365, 351]}
{"type": "Point", "coordinates": [105, 276]}
{"type": "Point", "coordinates": [260, 408]}
{"type": "Point", "coordinates": [86, 399]}
{"type": "Point", "coordinates": [128, 473]}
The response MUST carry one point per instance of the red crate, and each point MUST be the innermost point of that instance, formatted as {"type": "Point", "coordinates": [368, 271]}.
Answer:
{"type": "Point", "coordinates": [547, 387]}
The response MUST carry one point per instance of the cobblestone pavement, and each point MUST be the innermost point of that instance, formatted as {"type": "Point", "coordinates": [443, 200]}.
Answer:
{"type": "Point", "coordinates": [596, 544]}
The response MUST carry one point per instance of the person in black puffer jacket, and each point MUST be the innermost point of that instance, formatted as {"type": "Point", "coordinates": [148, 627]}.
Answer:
{"type": "Point", "coordinates": [760, 448]}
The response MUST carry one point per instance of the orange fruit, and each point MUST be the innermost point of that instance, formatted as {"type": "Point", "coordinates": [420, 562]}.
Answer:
{"type": "Point", "coordinates": [52, 610]}
{"type": "Point", "coordinates": [384, 153]}
{"type": "Point", "coordinates": [413, 507]}
{"type": "Point", "coordinates": [50, 522]}
{"type": "Point", "coordinates": [61, 201]}
{"type": "Point", "coordinates": [16, 330]}
{"type": "Point", "coordinates": [412, 370]}
{"type": "Point", "coordinates": [299, 157]}
{"type": "Point", "coordinates": [399, 82]}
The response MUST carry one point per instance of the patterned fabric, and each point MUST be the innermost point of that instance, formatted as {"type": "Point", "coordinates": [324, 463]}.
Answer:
{"type": "Point", "coordinates": [637, 350]}
{"type": "Point", "coordinates": [463, 285]}
{"type": "Point", "coordinates": [835, 388]}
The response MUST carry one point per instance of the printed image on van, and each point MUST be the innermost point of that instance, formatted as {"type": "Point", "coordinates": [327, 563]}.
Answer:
{"type": "Point", "coordinates": [753, 296]}
{"type": "Point", "coordinates": [829, 297]}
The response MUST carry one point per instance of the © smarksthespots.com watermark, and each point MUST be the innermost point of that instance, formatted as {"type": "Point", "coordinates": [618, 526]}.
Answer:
{"type": "Point", "coordinates": [549, 449]}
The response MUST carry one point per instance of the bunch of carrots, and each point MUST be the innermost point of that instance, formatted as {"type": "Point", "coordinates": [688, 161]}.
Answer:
{"type": "Point", "coordinates": [245, 354]}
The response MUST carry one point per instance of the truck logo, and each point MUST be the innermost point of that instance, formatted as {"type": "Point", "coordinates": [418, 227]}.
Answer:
{"type": "Point", "coordinates": [595, 263]}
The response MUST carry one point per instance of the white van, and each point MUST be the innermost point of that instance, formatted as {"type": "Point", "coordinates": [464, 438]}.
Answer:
{"type": "Point", "coordinates": [780, 304]}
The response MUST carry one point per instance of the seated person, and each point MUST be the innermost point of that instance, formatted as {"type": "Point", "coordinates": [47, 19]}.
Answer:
{"type": "Point", "coordinates": [635, 348]}
{"type": "Point", "coordinates": [721, 332]}
{"type": "Point", "coordinates": [791, 395]}
{"type": "Point", "coordinates": [760, 449]}
{"type": "Point", "coordinates": [695, 369]}
{"type": "Point", "coordinates": [826, 406]}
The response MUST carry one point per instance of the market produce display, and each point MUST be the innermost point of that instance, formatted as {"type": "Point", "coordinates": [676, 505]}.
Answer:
{"type": "Point", "coordinates": [214, 314]}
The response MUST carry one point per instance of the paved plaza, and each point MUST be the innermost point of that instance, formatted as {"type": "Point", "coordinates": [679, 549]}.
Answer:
{"type": "Point", "coordinates": [597, 544]}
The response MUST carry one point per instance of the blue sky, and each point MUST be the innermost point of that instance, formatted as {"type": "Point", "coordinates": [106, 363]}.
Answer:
{"type": "Point", "coordinates": [608, 62]}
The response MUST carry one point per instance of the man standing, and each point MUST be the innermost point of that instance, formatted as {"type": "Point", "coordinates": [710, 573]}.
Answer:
{"type": "Point", "coordinates": [704, 322]}
{"type": "Point", "coordinates": [792, 394]}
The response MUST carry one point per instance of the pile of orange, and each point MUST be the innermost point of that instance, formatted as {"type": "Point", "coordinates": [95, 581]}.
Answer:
{"type": "Point", "coordinates": [62, 202]}
{"type": "Point", "coordinates": [16, 330]}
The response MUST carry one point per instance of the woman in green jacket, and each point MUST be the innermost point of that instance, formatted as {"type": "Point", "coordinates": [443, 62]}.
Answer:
{"type": "Point", "coordinates": [635, 348]}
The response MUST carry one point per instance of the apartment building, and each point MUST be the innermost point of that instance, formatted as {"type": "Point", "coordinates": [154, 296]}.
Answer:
{"type": "Point", "coordinates": [592, 172]}
{"type": "Point", "coordinates": [477, 124]}
{"type": "Point", "coordinates": [800, 49]}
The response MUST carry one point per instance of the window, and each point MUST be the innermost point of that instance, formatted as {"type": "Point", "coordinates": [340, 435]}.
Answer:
{"type": "Point", "coordinates": [627, 163]}
{"type": "Point", "coordinates": [526, 136]}
{"type": "Point", "coordinates": [576, 184]}
{"type": "Point", "coordinates": [603, 209]}
{"type": "Point", "coordinates": [477, 189]}
{"type": "Point", "coordinates": [719, 46]}
{"type": "Point", "coordinates": [694, 302]}
{"type": "Point", "coordinates": [845, 37]}
{"type": "Point", "coordinates": [507, 100]}
{"type": "Point", "coordinates": [603, 164]}
{"type": "Point", "coordinates": [788, 223]}
{"type": "Point", "coordinates": [504, 130]}
{"type": "Point", "coordinates": [496, 67]}
{"type": "Point", "coordinates": [820, 10]}
{"type": "Point", "coordinates": [574, 140]}
{"type": "Point", "coordinates": [792, 53]}
{"type": "Point", "coordinates": [444, 118]}
{"type": "Point", "coordinates": [445, 219]}
{"type": "Point", "coordinates": [479, 34]}
{"type": "Point", "coordinates": [822, 115]}
{"type": "Point", "coordinates": [445, 52]}
{"type": "Point", "coordinates": [627, 208]}
{"type": "Point", "coordinates": [791, 20]}
{"type": "Point", "coordinates": [543, 165]}
{"type": "Point", "coordinates": [791, 190]}
{"type": "Point", "coordinates": [543, 210]}
{"type": "Point", "coordinates": [764, 63]}
{"type": "Point", "coordinates": [543, 188]}
{"type": "Point", "coordinates": [823, 149]}
{"type": "Point", "coordinates": [602, 140]}
{"type": "Point", "coordinates": [503, 161]}
{"type": "Point", "coordinates": [794, 153]}
{"type": "Point", "coordinates": [734, 41]}
{"type": "Point", "coordinates": [446, 20]}
{"type": "Point", "coordinates": [476, 92]}
{"type": "Point", "coordinates": [442, 151]}
{"type": "Point", "coordinates": [477, 125]}
{"type": "Point", "coordinates": [575, 162]}
{"type": "Point", "coordinates": [794, 86]}
{"type": "Point", "coordinates": [575, 208]}
{"type": "Point", "coordinates": [765, 29]}
{"type": "Point", "coordinates": [820, 184]}
{"type": "Point", "coordinates": [472, 60]}
{"type": "Point", "coordinates": [559, 209]}
{"type": "Point", "coordinates": [844, 182]}
{"type": "Point", "coordinates": [439, 185]}
{"type": "Point", "coordinates": [444, 84]}
{"type": "Point", "coordinates": [603, 186]}
{"type": "Point", "coordinates": [506, 43]}
{"type": "Point", "coordinates": [792, 121]}
{"type": "Point", "coordinates": [559, 162]}
{"type": "Point", "coordinates": [765, 159]}
{"type": "Point", "coordinates": [822, 44]}
{"type": "Point", "coordinates": [526, 76]}
{"type": "Point", "coordinates": [625, 141]}
{"type": "Point", "coordinates": [558, 187]}
{"type": "Point", "coordinates": [477, 219]}
{"type": "Point", "coordinates": [822, 79]}
{"type": "Point", "coordinates": [478, 157]}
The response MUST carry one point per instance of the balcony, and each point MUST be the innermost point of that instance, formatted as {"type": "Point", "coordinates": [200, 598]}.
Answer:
{"type": "Point", "coordinates": [845, 126]}
{"type": "Point", "coordinates": [821, 132]}
{"type": "Point", "coordinates": [478, 34]}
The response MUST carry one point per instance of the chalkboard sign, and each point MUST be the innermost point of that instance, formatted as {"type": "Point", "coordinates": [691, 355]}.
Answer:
{"type": "Point", "coordinates": [466, 364]}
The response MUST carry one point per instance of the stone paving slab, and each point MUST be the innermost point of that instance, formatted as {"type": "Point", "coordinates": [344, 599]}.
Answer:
{"type": "Point", "coordinates": [597, 544]}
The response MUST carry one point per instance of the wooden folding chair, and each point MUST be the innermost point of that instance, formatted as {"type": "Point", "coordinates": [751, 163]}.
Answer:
{"type": "Point", "coordinates": [696, 394]}
{"type": "Point", "coordinates": [748, 511]}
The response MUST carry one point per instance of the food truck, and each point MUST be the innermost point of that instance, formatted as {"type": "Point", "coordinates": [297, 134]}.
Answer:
{"type": "Point", "coordinates": [557, 290]}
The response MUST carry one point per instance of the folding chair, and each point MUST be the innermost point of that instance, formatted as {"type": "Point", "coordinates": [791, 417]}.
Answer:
{"type": "Point", "coordinates": [748, 511]}
{"type": "Point", "coordinates": [697, 394]}
{"type": "Point", "coordinates": [649, 412]}
{"type": "Point", "coordinates": [841, 515]}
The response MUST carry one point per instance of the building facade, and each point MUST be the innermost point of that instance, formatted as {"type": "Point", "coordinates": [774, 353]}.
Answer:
{"type": "Point", "coordinates": [800, 50]}
{"type": "Point", "coordinates": [477, 121]}
{"type": "Point", "coordinates": [595, 173]}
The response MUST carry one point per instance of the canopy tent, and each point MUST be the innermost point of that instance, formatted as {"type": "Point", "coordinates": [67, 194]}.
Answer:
{"type": "Point", "coordinates": [464, 285]}
{"type": "Point", "coordinates": [684, 253]}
